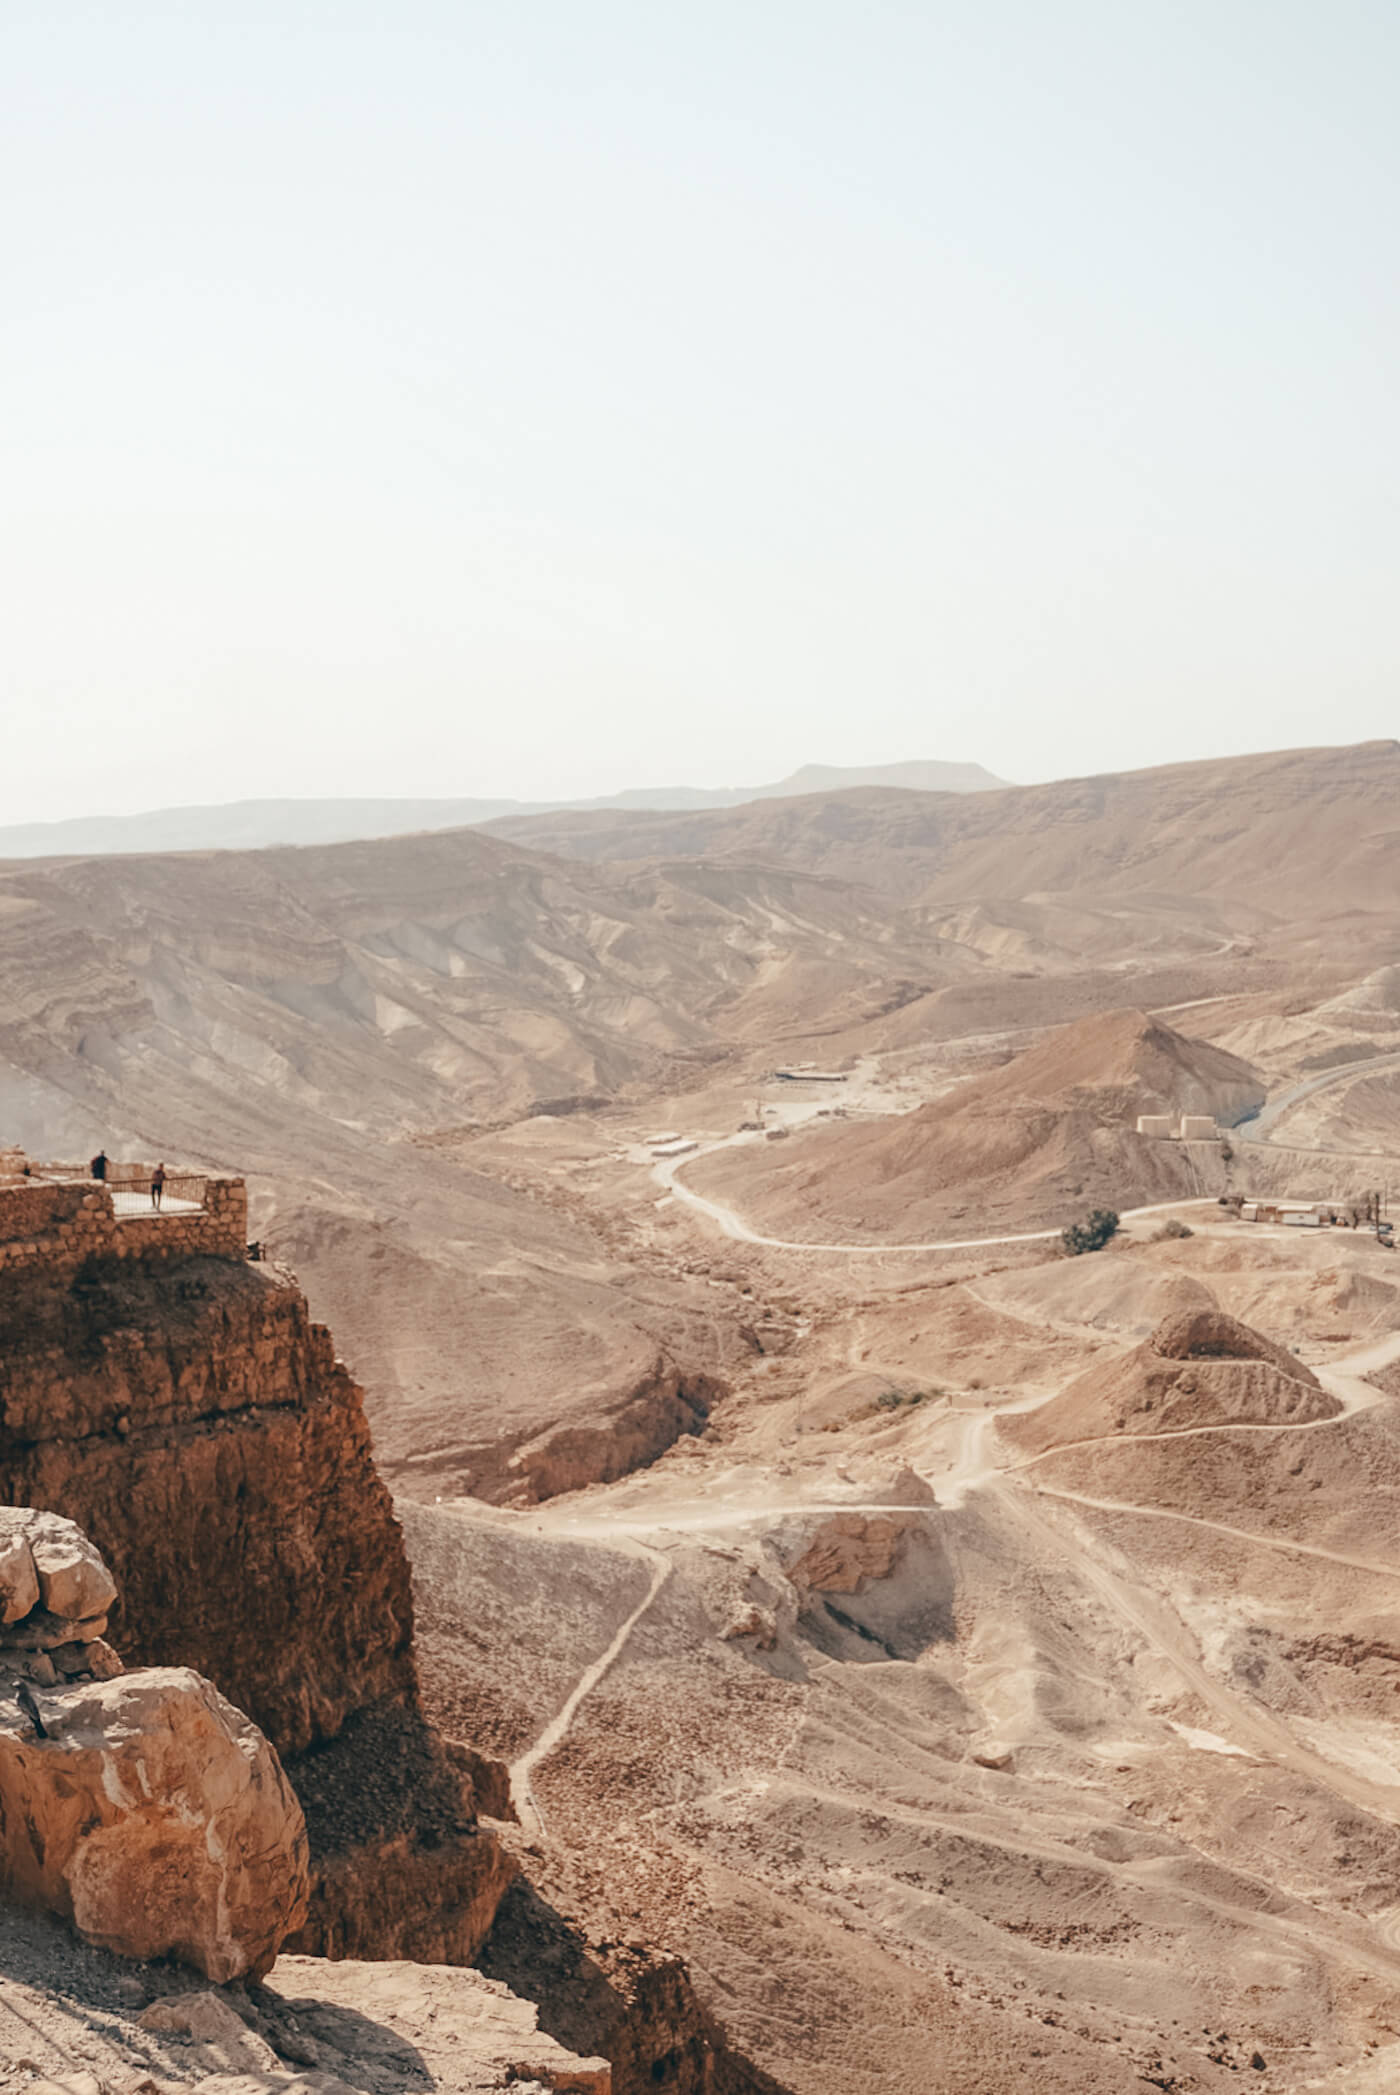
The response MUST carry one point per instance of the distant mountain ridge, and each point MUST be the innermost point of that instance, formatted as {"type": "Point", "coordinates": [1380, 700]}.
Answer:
{"type": "Point", "coordinates": [251, 825]}
{"type": "Point", "coordinates": [1281, 827]}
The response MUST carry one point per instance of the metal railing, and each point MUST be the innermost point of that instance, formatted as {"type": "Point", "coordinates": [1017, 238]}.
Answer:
{"type": "Point", "coordinates": [132, 1186]}
{"type": "Point", "coordinates": [135, 1190]}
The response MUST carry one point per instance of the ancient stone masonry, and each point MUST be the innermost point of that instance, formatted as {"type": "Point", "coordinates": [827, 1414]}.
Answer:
{"type": "Point", "coordinates": [54, 1227]}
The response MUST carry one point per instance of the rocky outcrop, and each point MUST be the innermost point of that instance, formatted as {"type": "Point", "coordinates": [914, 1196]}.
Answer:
{"type": "Point", "coordinates": [190, 1417]}
{"type": "Point", "coordinates": [664, 1407]}
{"type": "Point", "coordinates": [153, 1816]}
{"type": "Point", "coordinates": [1208, 1333]}
{"type": "Point", "coordinates": [850, 1548]}
{"type": "Point", "coordinates": [481, 2035]}
{"type": "Point", "coordinates": [142, 1807]}
{"type": "Point", "coordinates": [1200, 1367]}
{"type": "Point", "coordinates": [638, 2009]}
{"type": "Point", "coordinates": [103, 2027]}
{"type": "Point", "coordinates": [195, 1420]}
{"type": "Point", "coordinates": [400, 1867]}
{"type": "Point", "coordinates": [196, 1424]}
{"type": "Point", "coordinates": [55, 1594]}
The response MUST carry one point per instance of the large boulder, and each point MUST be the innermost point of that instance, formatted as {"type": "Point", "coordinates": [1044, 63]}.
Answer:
{"type": "Point", "coordinates": [55, 1591]}
{"type": "Point", "coordinates": [19, 1580]}
{"type": "Point", "coordinates": [155, 1817]}
{"type": "Point", "coordinates": [47, 1559]}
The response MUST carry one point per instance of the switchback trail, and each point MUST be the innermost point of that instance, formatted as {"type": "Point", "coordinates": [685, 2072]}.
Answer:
{"type": "Point", "coordinates": [1153, 1618]}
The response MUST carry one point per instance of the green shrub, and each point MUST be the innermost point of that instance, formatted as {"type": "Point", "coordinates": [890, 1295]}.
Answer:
{"type": "Point", "coordinates": [897, 1400]}
{"type": "Point", "coordinates": [1091, 1234]}
{"type": "Point", "coordinates": [1172, 1227]}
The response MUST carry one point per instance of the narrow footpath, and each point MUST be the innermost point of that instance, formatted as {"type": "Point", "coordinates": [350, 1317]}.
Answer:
{"type": "Point", "coordinates": [522, 1788]}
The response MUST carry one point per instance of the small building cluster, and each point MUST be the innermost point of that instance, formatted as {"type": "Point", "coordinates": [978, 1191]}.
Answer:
{"type": "Point", "coordinates": [1316, 1214]}
{"type": "Point", "coordinates": [670, 1144]}
{"type": "Point", "coordinates": [1184, 1127]}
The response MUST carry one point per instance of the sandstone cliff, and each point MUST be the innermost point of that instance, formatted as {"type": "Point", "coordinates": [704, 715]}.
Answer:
{"type": "Point", "coordinates": [182, 1407]}
{"type": "Point", "coordinates": [196, 1424]}
{"type": "Point", "coordinates": [186, 1412]}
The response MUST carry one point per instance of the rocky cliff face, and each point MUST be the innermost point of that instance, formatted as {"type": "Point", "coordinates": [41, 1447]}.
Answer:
{"type": "Point", "coordinates": [196, 1424]}
{"type": "Point", "coordinates": [593, 1993]}
{"type": "Point", "coordinates": [182, 1407]}
{"type": "Point", "coordinates": [191, 1418]}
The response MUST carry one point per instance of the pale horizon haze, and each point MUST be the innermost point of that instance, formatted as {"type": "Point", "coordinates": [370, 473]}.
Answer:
{"type": "Point", "coordinates": [533, 402]}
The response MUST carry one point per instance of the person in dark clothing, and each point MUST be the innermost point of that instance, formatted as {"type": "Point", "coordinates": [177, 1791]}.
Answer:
{"type": "Point", "coordinates": [29, 1703]}
{"type": "Point", "coordinates": [157, 1185]}
{"type": "Point", "coordinates": [98, 1166]}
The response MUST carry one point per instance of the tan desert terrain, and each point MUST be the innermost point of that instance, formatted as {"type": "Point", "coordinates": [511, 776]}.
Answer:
{"type": "Point", "coordinates": [978, 1663]}
{"type": "Point", "coordinates": [1016, 1148]}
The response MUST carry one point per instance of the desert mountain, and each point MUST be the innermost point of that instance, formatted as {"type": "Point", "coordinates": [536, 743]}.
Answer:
{"type": "Point", "coordinates": [341, 1023]}
{"type": "Point", "coordinates": [883, 1629]}
{"type": "Point", "coordinates": [400, 984]}
{"type": "Point", "coordinates": [249, 825]}
{"type": "Point", "coordinates": [1124, 1063]}
{"type": "Point", "coordinates": [1050, 1131]}
{"type": "Point", "coordinates": [1237, 846]}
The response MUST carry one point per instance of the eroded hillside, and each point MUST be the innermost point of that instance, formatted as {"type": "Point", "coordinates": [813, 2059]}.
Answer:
{"type": "Point", "coordinates": [1051, 1132]}
{"type": "Point", "coordinates": [971, 1664]}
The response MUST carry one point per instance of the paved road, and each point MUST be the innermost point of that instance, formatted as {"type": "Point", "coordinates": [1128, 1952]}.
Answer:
{"type": "Point", "coordinates": [1259, 1125]}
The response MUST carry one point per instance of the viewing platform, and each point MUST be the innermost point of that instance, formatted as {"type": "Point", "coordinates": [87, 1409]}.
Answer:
{"type": "Point", "coordinates": [59, 1215]}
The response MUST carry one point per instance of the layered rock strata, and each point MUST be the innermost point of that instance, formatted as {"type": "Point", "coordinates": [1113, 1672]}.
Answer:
{"type": "Point", "coordinates": [638, 2009]}
{"type": "Point", "coordinates": [190, 1417]}
{"type": "Point", "coordinates": [1198, 1368]}
{"type": "Point", "coordinates": [667, 1405]}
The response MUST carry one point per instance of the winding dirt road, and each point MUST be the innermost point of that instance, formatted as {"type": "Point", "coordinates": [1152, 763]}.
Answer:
{"type": "Point", "coordinates": [1258, 1128]}
{"type": "Point", "coordinates": [666, 1173]}
{"type": "Point", "coordinates": [972, 1467]}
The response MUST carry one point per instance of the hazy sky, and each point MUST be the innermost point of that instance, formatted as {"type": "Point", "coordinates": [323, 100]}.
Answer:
{"type": "Point", "coordinates": [537, 398]}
